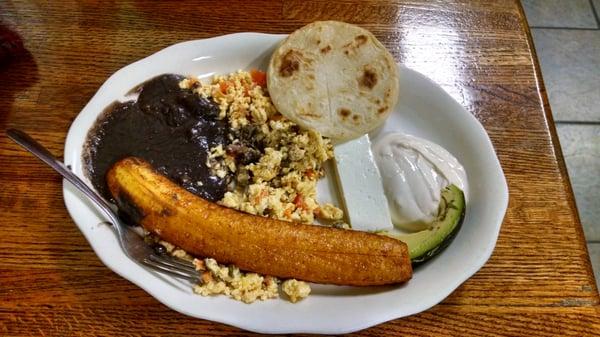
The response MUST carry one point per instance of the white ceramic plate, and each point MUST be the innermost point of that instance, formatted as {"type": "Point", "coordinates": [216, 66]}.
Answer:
{"type": "Point", "coordinates": [424, 110]}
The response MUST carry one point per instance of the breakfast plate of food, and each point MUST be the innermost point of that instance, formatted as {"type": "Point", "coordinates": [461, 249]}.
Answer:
{"type": "Point", "coordinates": [315, 184]}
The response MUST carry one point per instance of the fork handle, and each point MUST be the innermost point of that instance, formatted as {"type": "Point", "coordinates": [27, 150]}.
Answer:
{"type": "Point", "coordinates": [44, 155]}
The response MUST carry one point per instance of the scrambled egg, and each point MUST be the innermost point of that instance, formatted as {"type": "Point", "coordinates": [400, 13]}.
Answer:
{"type": "Point", "coordinates": [276, 166]}
{"type": "Point", "coordinates": [295, 290]}
{"type": "Point", "coordinates": [230, 281]}
{"type": "Point", "coordinates": [281, 183]}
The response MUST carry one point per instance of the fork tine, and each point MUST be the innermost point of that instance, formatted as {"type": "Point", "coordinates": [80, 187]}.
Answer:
{"type": "Point", "coordinates": [166, 269]}
{"type": "Point", "coordinates": [183, 263]}
{"type": "Point", "coordinates": [175, 262]}
{"type": "Point", "coordinates": [172, 263]}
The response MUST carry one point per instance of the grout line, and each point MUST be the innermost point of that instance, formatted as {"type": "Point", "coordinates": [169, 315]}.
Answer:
{"type": "Point", "coordinates": [577, 122]}
{"type": "Point", "coordinates": [564, 28]}
{"type": "Point", "coordinates": [595, 13]}
{"type": "Point", "coordinates": [593, 241]}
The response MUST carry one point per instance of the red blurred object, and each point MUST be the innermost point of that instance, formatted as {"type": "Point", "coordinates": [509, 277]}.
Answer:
{"type": "Point", "coordinates": [11, 44]}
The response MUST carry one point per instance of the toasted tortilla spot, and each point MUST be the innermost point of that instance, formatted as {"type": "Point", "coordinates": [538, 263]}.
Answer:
{"type": "Point", "coordinates": [344, 112]}
{"type": "Point", "coordinates": [290, 63]}
{"type": "Point", "coordinates": [368, 79]}
{"type": "Point", "coordinates": [361, 39]}
{"type": "Point", "coordinates": [382, 109]}
{"type": "Point", "coordinates": [326, 50]}
{"type": "Point", "coordinates": [355, 118]}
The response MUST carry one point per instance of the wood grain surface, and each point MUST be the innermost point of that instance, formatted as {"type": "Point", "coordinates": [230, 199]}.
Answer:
{"type": "Point", "coordinates": [537, 283]}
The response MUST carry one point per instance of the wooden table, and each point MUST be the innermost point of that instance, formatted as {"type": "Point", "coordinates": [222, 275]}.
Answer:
{"type": "Point", "coordinates": [537, 283]}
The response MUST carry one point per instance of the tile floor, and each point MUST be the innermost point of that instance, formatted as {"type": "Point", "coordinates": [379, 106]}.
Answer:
{"type": "Point", "coordinates": [566, 34]}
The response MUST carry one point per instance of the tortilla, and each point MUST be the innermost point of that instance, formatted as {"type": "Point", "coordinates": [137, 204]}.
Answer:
{"type": "Point", "coordinates": [333, 77]}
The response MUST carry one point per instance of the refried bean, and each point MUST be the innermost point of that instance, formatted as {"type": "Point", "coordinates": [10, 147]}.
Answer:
{"type": "Point", "coordinates": [170, 127]}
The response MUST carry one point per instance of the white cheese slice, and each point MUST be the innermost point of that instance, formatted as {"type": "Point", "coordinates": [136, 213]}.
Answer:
{"type": "Point", "coordinates": [361, 186]}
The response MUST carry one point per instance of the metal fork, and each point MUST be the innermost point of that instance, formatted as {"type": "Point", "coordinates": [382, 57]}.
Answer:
{"type": "Point", "coordinates": [131, 242]}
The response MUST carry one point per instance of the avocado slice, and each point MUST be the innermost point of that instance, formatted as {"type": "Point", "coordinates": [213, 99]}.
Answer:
{"type": "Point", "coordinates": [425, 244]}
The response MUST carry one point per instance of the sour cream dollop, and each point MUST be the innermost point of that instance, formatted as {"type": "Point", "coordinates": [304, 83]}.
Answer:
{"type": "Point", "coordinates": [414, 171]}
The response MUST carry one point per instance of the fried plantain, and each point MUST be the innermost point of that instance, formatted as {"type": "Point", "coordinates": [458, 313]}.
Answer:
{"type": "Point", "coordinates": [254, 243]}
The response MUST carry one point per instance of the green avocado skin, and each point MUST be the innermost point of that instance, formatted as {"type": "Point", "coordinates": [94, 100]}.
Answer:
{"type": "Point", "coordinates": [425, 244]}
